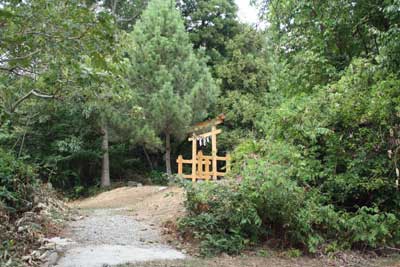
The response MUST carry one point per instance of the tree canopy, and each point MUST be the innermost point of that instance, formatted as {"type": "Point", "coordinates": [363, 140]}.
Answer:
{"type": "Point", "coordinates": [211, 24]}
{"type": "Point", "coordinates": [95, 92]}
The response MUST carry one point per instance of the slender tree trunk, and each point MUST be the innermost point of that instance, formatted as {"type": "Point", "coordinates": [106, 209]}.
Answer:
{"type": "Point", "coordinates": [105, 168]}
{"type": "Point", "coordinates": [148, 158]}
{"type": "Point", "coordinates": [168, 153]}
{"type": "Point", "coordinates": [22, 145]}
{"type": "Point", "coordinates": [114, 7]}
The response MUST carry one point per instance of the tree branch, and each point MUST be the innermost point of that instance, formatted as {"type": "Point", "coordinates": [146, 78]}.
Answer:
{"type": "Point", "coordinates": [19, 58]}
{"type": "Point", "coordinates": [127, 19]}
{"type": "Point", "coordinates": [54, 35]}
{"type": "Point", "coordinates": [12, 70]}
{"type": "Point", "coordinates": [38, 94]}
{"type": "Point", "coordinates": [19, 71]}
{"type": "Point", "coordinates": [29, 94]}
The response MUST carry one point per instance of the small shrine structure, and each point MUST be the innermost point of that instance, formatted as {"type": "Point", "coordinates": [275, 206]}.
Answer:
{"type": "Point", "coordinates": [201, 133]}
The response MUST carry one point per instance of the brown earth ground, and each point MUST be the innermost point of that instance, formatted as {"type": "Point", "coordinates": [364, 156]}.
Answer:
{"type": "Point", "coordinates": [157, 204]}
{"type": "Point", "coordinates": [162, 206]}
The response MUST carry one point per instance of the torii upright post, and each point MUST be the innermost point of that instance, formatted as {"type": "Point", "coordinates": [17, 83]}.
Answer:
{"type": "Point", "coordinates": [214, 150]}
{"type": "Point", "coordinates": [194, 153]}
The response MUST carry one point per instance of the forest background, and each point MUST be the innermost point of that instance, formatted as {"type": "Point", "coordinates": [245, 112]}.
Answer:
{"type": "Point", "coordinates": [98, 92]}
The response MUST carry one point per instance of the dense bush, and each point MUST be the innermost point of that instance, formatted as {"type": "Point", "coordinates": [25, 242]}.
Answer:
{"type": "Point", "coordinates": [158, 178]}
{"type": "Point", "coordinates": [29, 211]}
{"type": "Point", "coordinates": [17, 180]}
{"type": "Point", "coordinates": [229, 217]}
{"type": "Point", "coordinates": [221, 217]}
{"type": "Point", "coordinates": [322, 179]}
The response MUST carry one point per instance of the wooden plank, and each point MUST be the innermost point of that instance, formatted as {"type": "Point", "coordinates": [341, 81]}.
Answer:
{"type": "Point", "coordinates": [207, 164]}
{"type": "Point", "coordinates": [219, 158]}
{"type": "Point", "coordinates": [197, 178]}
{"type": "Point", "coordinates": [189, 176]}
{"type": "Point", "coordinates": [184, 161]}
{"type": "Point", "coordinates": [194, 152]}
{"type": "Point", "coordinates": [214, 151]}
{"type": "Point", "coordinates": [201, 125]}
{"type": "Point", "coordinates": [199, 164]}
{"type": "Point", "coordinates": [204, 135]}
{"type": "Point", "coordinates": [180, 163]}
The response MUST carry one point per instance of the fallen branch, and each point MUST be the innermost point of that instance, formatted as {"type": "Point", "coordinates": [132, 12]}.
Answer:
{"type": "Point", "coordinates": [388, 248]}
{"type": "Point", "coordinates": [392, 248]}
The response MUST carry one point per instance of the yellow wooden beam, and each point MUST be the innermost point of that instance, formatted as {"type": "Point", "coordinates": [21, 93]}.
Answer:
{"type": "Point", "coordinates": [214, 151]}
{"type": "Point", "coordinates": [194, 152]}
{"type": "Point", "coordinates": [204, 135]}
{"type": "Point", "coordinates": [205, 124]}
{"type": "Point", "coordinates": [180, 163]}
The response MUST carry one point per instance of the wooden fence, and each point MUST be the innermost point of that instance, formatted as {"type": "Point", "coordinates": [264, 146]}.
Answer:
{"type": "Point", "coordinates": [201, 167]}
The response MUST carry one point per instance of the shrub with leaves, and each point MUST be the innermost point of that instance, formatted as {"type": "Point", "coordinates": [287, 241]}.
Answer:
{"type": "Point", "coordinates": [220, 217]}
{"type": "Point", "coordinates": [158, 178]}
{"type": "Point", "coordinates": [17, 180]}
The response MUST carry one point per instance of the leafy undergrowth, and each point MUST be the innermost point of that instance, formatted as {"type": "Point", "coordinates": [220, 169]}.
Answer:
{"type": "Point", "coordinates": [22, 234]}
{"type": "Point", "coordinates": [229, 217]}
{"type": "Point", "coordinates": [29, 211]}
{"type": "Point", "coordinates": [272, 260]}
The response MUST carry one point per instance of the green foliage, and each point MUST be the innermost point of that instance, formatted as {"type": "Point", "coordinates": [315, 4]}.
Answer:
{"type": "Point", "coordinates": [6, 253]}
{"type": "Point", "coordinates": [16, 183]}
{"type": "Point", "coordinates": [125, 12]}
{"type": "Point", "coordinates": [220, 217]}
{"type": "Point", "coordinates": [245, 67]}
{"type": "Point", "coordinates": [211, 25]}
{"type": "Point", "coordinates": [178, 88]}
{"type": "Point", "coordinates": [63, 143]}
{"type": "Point", "coordinates": [311, 103]}
{"type": "Point", "coordinates": [172, 83]}
{"type": "Point", "coordinates": [229, 217]}
{"type": "Point", "coordinates": [158, 178]}
{"type": "Point", "coordinates": [69, 55]}
{"type": "Point", "coordinates": [46, 44]}
{"type": "Point", "coordinates": [243, 112]}
{"type": "Point", "coordinates": [293, 253]}
{"type": "Point", "coordinates": [338, 30]}
{"type": "Point", "coordinates": [320, 163]}
{"type": "Point", "coordinates": [245, 76]}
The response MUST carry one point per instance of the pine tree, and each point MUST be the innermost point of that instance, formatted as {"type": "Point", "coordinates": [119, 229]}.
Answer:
{"type": "Point", "coordinates": [174, 85]}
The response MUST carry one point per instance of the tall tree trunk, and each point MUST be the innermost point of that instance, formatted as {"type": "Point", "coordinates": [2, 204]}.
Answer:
{"type": "Point", "coordinates": [148, 158]}
{"type": "Point", "coordinates": [168, 153]}
{"type": "Point", "coordinates": [105, 167]}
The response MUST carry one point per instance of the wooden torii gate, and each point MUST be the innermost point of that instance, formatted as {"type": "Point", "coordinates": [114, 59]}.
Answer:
{"type": "Point", "coordinates": [201, 163]}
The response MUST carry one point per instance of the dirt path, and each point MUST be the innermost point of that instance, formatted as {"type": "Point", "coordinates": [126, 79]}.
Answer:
{"type": "Point", "coordinates": [120, 226]}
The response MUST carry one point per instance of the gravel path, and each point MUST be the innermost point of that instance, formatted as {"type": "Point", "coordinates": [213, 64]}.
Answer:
{"type": "Point", "coordinates": [106, 237]}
